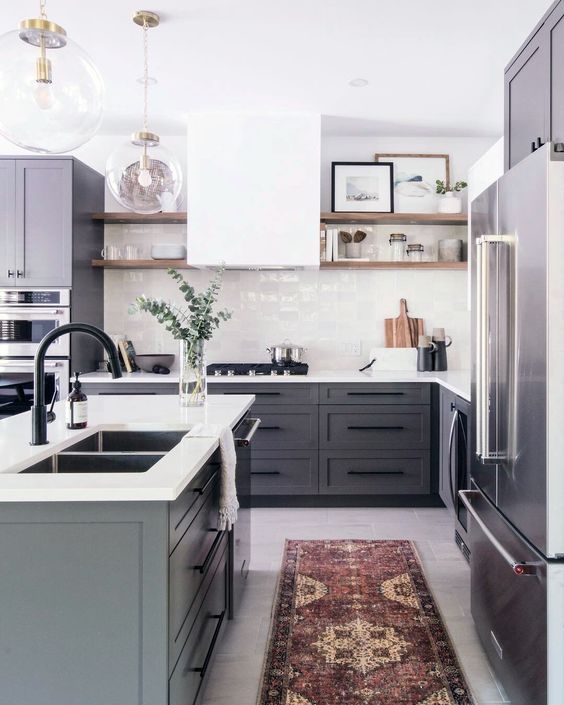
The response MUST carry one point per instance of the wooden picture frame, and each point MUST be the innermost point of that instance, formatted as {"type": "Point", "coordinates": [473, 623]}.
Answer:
{"type": "Point", "coordinates": [416, 193]}
{"type": "Point", "coordinates": [357, 187]}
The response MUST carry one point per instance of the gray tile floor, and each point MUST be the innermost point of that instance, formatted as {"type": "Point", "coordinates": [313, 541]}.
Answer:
{"type": "Point", "coordinates": [238, 665]}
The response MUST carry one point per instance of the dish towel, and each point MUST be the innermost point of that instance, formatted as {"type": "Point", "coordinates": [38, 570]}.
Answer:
{"type": "Point", "coordinates": [228, 502]}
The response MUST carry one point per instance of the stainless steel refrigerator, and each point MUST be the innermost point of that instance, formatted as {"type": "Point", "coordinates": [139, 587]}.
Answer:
{"type": "Point", "coordinates": [516, 503]}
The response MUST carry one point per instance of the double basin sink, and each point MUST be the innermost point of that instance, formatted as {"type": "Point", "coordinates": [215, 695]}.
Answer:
{"type": "Point", "coordinates": [110, 451]}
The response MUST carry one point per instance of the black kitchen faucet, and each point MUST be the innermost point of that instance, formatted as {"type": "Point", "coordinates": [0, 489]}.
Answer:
{"type": "Point", "coordinates": [39, 418]}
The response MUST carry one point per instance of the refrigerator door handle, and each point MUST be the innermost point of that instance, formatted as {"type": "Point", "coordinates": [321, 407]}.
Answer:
{"type": "Point", "coordinates": [518, 567]}
{"type": "Point", "coordinates": [484, 451]}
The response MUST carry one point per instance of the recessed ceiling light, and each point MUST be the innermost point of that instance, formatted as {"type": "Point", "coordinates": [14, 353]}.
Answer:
{"type": "Point", "coordinates": [358, 82]}
{"type": "Point", "coordinates": [150, 80]}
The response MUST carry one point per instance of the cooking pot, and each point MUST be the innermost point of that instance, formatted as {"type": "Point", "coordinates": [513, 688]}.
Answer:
{"type": "Point", "coordinates": [286, 353]}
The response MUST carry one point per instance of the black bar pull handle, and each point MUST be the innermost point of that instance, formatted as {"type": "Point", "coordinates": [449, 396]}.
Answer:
{"type": "Point", "coordinates": [211, 553]}
{"type": "Point", "coordinates": [258, 394]}
{"type": "Point", "coordinates": [201, 490]}
{"type": "Point", "coordinates": [375, 472]}
{"type": "Point", "coordinates": [220, 617]}
{"type": "Point", "coordinates": [265, 472]}
{"type": "Point", "coordinates": [269, 428]}
{"type": "Point", "coordinates": [375, 394]}
{"type": "Point", "coordinates": [375, 428]}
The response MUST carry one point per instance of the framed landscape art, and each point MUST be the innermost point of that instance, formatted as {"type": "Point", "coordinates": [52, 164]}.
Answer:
{"type": "Point", "coordinates": [415, 177]}
{"type": "Point", "coordinates": [362, 187]}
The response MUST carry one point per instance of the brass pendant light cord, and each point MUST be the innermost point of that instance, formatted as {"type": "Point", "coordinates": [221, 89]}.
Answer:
{"type": "Point", "coordinates": [42, 9]}
{"type": "Point", "coordinates": [145, 74]}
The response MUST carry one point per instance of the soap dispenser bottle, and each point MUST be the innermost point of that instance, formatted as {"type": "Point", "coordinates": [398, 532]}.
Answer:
{"type": "Point", "coordinates": [76, 411]}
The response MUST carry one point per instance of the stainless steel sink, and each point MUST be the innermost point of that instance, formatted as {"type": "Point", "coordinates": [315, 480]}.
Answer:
{"type": "Point", "coordinates": [94, 463]}
{"type": "Point", "coordinates": [118, 441]}
{"type": "Point", "coordinates": [110, 450]}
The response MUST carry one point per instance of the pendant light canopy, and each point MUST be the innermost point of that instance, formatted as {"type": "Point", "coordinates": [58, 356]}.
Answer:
{"type": "Point", "coordinates": [141, 174]}
{"type": "Point", "coordinates": [51, 93]}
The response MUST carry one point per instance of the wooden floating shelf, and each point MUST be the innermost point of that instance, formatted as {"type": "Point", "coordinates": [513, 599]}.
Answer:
{"type": "Point", "coordinates": [326, 218]}
{"type": "Point", "coordinates": [396, 218]}
{"type": "Point", "coordinates": [141, 264]}
{"type": "Point", "coordinates": [343, 264]}
{"type": "Point", "coordinates": [142, 218]}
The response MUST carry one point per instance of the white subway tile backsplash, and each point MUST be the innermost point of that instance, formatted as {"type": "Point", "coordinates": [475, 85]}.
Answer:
{"type": "Point", "coordinates": [317, 309]}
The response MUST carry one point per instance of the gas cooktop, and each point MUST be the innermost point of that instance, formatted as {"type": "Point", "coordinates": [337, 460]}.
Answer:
{"type": "Point", "coordinates": [236, 369]}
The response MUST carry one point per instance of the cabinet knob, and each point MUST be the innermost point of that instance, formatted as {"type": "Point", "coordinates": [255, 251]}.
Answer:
{"type": "Point", "coordinates": [11, 273]}
{"type": "Point", "coordinates": [19, 273]}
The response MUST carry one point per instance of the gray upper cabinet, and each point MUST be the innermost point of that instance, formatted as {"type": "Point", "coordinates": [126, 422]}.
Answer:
{"type": "Point", "coordinates": [48, 237]}
{"type": "Point", "coordinates": [7, 222]}
{"type": "Point", "coordinates": [44, 222]}
{"type": "Point", "coordinates": [534, 89]}
{"type": "Point", "coordinates": [527, 100]}
{"type": "Point", "coordinates": [555, 32]}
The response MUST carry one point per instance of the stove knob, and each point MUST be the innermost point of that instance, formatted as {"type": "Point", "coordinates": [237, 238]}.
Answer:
{"type": "Point", "coordinates": [230, 373]}
{"type": "Point", "coordinates": [217, 373]}
{"type": "Point", "coordinates": [252, 373]}
{"type": "Point", "coordinates": [274, 373]}
{"type": "Point", "coordinates": [287, 373]}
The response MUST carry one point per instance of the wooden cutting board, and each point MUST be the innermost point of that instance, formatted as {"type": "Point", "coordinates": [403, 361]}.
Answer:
{"type": "Point", "coordinates": [403, 331]}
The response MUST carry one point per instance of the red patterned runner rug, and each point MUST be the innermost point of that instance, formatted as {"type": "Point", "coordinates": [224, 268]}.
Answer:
{"type": "Point", "coordinates": [355, 624]}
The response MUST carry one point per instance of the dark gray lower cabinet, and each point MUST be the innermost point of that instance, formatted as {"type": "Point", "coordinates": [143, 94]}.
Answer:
{"type": "Point", "coordinates": [286, 472]}
{"type": "Point", "coordinates": [375, 427]}
{"type": "Point", "coordinates": [112, 602]}
{"type": "Point", "coordinates": [364, 472]}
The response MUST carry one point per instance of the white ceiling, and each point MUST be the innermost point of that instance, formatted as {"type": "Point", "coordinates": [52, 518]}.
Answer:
{"type": "Point", "coordinates": [434, 68]}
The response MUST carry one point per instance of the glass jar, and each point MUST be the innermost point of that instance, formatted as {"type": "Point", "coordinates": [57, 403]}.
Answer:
{"type": "Point", "coordinates": [397, 245]}
{"type": "Point", "coordinates": [193, 380]}
{"type": "Point", "coordinates": [415, 253]}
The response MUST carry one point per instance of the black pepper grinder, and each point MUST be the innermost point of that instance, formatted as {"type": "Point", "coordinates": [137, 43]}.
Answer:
{"type": "Point", "coordinates": [440, 354]}
{"type": "Point", "coordinates": [425, 353]}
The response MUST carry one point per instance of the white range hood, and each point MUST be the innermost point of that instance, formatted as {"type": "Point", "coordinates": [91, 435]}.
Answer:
{"type": "Point", "coordinates": [253, 190]}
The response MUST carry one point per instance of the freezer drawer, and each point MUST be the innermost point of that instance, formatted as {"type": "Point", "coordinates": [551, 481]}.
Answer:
{"type": "Point", "coordinates": [509, 602]}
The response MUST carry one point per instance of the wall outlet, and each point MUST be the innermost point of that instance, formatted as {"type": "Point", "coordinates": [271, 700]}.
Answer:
{"type": "Point", "coordinates": [350, 348]}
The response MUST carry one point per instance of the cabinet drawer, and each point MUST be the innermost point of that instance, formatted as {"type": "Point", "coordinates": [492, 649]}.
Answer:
{"type": "Point", "coordinates": [195, 659]}
{"type": "Point", "coordinates": [286, 427]}
{"type": "Point", "coordinates": [367, 472]}
{"type": "Point", "coordinates": [184, 509]}
{"type": "Point", "coordinates": [372, 428]}
{"type": "Point", "coordinates": [374, 393]}
{"type": "Point", "coordinates": [271, 392]}
{"type": "Point", "coordinates": [284, 472]}
{"type": "Point", "coordinates": [191, 560]}
{"type": "Point", "coordinates": [176, 642]}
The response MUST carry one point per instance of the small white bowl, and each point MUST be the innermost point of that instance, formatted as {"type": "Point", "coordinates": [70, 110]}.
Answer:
{"type": "Point", "coordinates": [168, 251]}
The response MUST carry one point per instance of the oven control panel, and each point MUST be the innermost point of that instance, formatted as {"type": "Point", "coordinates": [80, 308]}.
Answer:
{"type": "Point", "coordinates": [34, 297]}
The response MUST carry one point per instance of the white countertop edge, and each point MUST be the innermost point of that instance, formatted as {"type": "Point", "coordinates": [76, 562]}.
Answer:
{"type": "Point", "coordinates": [164, 481]}
{"type": "Point", "coordinates": [457, 381]}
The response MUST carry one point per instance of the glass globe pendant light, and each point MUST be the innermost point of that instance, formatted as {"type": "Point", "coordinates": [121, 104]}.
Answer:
{"type": "Point", "coordinates": [51, 93]}
{"type": "Point", "coordinates": [141, 174]}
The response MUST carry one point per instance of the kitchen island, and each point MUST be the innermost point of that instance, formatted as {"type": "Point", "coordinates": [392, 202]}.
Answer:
{"type": "Point", "coordinates": [115, 585]}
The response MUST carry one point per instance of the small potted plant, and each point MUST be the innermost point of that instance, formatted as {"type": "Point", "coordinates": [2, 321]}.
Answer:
{"type": "Point", "coordinates": [192, 323]}
{"type": "Point", "coordinates": [449, 203]}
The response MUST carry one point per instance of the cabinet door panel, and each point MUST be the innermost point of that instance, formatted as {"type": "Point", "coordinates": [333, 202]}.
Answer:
{"type": "Point", "coordinates": [7, 222]}
{"type": "Point", "coordinates": [527, 100]}
{"type": "Point", "coordinates": [44, 222]}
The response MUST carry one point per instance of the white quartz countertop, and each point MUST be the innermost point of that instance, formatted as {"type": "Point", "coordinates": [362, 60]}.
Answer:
{"type": "Point", "coordinates": [457, 381]}
{"type": "Point", "coordinates": [163, 482]}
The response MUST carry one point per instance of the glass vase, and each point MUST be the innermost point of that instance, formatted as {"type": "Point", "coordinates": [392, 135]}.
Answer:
{"type": "Point", "coordinates": [192, 373]}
